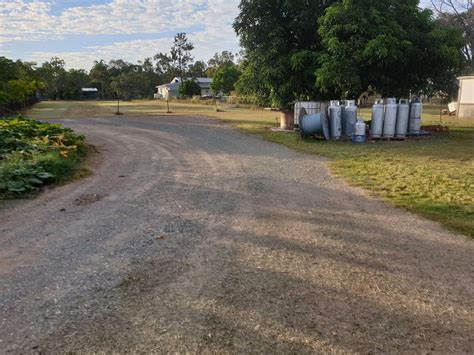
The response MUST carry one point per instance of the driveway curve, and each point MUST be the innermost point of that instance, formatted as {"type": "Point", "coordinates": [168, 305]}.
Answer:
{"type": "Point", "coordinates": [193, 237]}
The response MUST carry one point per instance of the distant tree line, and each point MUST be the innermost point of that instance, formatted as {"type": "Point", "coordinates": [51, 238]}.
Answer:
{"type": "Point", "coordinates": [23, 82]}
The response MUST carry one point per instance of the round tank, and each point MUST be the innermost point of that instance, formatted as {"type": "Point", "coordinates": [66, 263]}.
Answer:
{"type": "Point", "coordinates": [390, 121]}
{"type": "Point", "coordinates": [314, 124]}
{"type": "Point", "coordinates": [335, 120]}
{"type": "Point", "coordinates": [349, 118]}
{"type": "Point", "coordinates": [416, 108]}
{"type": "Point", "coordinates": [402, 118]}
{"type": "Point", "coordinates": [378, 113]}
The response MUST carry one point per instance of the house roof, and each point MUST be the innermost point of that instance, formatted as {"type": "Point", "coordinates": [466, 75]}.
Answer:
{"type": "Point", "coordinates": [174, 84]}
{"type": "Point", "coordinates": [90, 89]}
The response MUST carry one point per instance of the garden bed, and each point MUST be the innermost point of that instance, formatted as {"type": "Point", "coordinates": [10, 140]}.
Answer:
{"type": "Point", "coordinates": [34, 154]}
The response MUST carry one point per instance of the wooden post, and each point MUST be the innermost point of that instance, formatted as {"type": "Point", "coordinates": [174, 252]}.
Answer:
{"type": "Point", "coordinates": [167, 106]}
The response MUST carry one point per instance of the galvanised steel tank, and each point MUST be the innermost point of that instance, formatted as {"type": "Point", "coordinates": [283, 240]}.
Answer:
{"type": "Point", "coordinates": [390, 121]}
{"type": "Point", "coordinates": [378, 114]}
{"type": "Point", "coordinates": [416, 108]}
{"type": "Point", "coordinates": [402, 118]}
{"type": "Point", "coordinates": [349, 118]}
{"type": "Point", "coordinates": [335, 120]}
{"type": "Point", "coordinates": [313, 124]}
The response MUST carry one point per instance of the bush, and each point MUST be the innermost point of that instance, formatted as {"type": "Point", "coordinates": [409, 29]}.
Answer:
{"type": "Point", "coordinates": [33, 154]}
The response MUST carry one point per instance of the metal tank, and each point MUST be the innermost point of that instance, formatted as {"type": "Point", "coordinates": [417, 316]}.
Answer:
{"type": "Point", "coordinates": [416, 108]}
{"type": "Point", "coordinates": [378, 114]}
{"type": "Point", "coordinates": [402, 118]}
{"type": "Point", "coordinates": [390, 121]}
{"type": "Point", "coordinates": [349, 118]}
{"type": "Point", "coordinates": [335, 120]}
{"type": "Point", "coordinates": [313, 124]}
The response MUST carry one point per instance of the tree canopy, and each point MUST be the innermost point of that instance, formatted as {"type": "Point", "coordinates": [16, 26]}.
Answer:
{"type": "Point", "coordinates": [301, 49]}
{"type": "Point", "coordinates": [189, 88]}
{"type": "Point", "coordinates": [391, 46]}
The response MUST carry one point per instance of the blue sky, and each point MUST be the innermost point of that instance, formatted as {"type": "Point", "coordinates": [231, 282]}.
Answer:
{"type": "Point", "coordinates": [81, 31]}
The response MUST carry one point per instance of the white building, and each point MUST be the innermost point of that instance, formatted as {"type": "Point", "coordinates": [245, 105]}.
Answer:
{"type": "Point", "coordinates": [171, 90]}
{"type": "Point", "coordinates": [465, 107]}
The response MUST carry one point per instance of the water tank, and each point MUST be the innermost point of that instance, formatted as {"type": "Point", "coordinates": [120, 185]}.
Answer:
{"type": "Point", "coordinates": [402, 118]}
{"type": "Point", "coordinates": [359, 132]}
{"type": "Point", "coordinates": [390, 121]}
{"type": "Point", "coordinates": [416, 107]}
{"type": "Point", "coordinates": [377, 119]}
{"type": "Point", "coordinates": [349, 118]}
{"type": "Point", "coordinates": [335, 120]}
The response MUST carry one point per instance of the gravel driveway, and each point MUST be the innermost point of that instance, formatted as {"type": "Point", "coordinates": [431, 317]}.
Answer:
{"type": "Point", "coordinates": [192, 237]}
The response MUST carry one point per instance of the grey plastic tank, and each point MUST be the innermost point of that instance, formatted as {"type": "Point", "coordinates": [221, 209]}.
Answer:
{"type": "Point", "coordinates": [402, 118]}
{"type": "Point", "coordinates": [390, 121]}
{"type": "Point", "coordinates": [416, 108]}
{"type": "Point", "coordinates": [335, 120]}
{"type": "Point", "coordinates": [349, 118]}
{"type": "Point", "coordinates": [378, 114]}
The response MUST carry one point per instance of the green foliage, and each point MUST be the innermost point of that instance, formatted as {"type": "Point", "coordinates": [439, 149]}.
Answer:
{"type": "Point", "coordinates": [391, 46]}
{"type": "Point", "coordinates": [300, 50]}
{"type": "Point", "coordinates": [33, 154]}
{"type": "Point", "coordinates": [281, 44]}
{"type": "Point", "coordinates": [225, 78]}
{"type": "Point", "coordinates": [218, 61]}
{"type": "Point", "coordinates": [189, 88]}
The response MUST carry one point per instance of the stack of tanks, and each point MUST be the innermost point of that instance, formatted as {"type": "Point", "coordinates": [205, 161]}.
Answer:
{"type": "Point", "coordinates": [342, 119]}
{"type": "Point", "coordinates": [395, 120]}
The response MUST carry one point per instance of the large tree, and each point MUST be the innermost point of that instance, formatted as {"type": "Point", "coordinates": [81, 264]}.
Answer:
{"type": "Point", "coordinates": [281, 44]}
{"type": "Point", "coordinates": [393, 47]}
{"type": "Point", "coordinates": [225, 78]}
{"type": "Point", "coordinates": [459, 14]}
{"type": "Point", "coordinates": [218, 61]}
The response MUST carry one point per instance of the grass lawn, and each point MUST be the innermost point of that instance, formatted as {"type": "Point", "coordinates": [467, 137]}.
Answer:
{"type": "Point", "coordinates": [432, 177]}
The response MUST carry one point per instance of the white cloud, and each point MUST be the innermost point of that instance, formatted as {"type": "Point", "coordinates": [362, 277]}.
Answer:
{"type": "Point", "coordinates": [208, 23]}
{"type": "Point", "coordinates": [32, 19]}
{"type": "Point", "coordinates": [206, 43]}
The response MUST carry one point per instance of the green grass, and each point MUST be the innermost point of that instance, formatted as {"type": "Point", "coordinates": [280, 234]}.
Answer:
{"type": "Point", "coordinates": [34, 154]}
{"type": "Point", "coordinates": [433, 177]}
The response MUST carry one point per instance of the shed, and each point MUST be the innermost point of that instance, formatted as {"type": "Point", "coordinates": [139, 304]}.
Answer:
{"type": "Point", "coordinates": [465, 107]}
{"type": "Point", "coordinates": [89, 94]}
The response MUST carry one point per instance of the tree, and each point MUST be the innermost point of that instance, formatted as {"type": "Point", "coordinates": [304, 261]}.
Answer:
{"type": "Point", "coordinates": [198, 69]}
{"type": "Point", "coordinates": [100, 74]}
{"type": "Point", "coordinates": [281, 45]}
{"type": "Point", "coordinates": [53, 74]}
{"type": "Point", "coordinates": [391, 46]}
{"type": "Point", "coordinates": [219, 60]}
{"type": "Point", "coordinates": [177, 62]}
{"type": "Point", "coordinates": [225, 78]}
{"type": "Point", "coordinates": [189, 88]}
{"type": "Point", "coordinates": [74, 81]}
{"type": "Point", "coordinates": [459, 14]}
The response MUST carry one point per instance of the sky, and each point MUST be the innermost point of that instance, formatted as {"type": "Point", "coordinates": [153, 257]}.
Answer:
{"type": "Point", "coordinates": [81, 31]}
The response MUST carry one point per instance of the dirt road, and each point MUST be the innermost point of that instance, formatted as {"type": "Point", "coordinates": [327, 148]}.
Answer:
{"type": "Point", "coordinates": [192, 237]}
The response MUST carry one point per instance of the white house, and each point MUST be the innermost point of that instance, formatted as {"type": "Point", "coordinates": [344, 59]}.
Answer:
{"type": "Point", "coordinates": [171, 90]}
{"type": "Point", "coordinates": [465, 107]}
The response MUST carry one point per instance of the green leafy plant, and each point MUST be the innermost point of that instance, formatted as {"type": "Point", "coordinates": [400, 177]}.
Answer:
{"type": "Point", "coordinates": [34, 153]}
